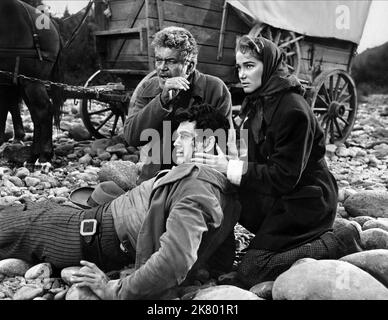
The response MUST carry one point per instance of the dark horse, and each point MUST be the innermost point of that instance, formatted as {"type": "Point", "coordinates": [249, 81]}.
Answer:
{"type": "Point", "coordinates": [30, 45]}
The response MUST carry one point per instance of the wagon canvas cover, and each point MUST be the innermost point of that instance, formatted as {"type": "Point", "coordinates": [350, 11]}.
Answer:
{"type": "Point", "coordinates": [344, 20]}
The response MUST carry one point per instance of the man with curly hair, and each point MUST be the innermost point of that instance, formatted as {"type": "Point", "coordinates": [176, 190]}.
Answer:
{"type": "Point", "coordinates": [178, 85]}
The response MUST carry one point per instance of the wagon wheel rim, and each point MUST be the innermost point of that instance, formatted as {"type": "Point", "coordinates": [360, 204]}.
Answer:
{"type": "Point", "coordinates": [334, 103]}
{"type": "Point", "coordinates": [102, 119]}
{"type": "Point", "coordinates": [286, 40]}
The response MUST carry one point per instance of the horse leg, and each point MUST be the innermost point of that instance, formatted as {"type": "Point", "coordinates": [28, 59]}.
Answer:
{"type": "Point", "coordinates": [18, 128]}
{"type": "Point", "coordinates": [3, 114]}
{"type": "Point", "coordinates": [8, 99]}
{"type": "Point", "coordinates": [40, 107]}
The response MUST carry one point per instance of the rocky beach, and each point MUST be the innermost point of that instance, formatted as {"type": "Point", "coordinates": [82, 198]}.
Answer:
{"type": "Point", "coordinates": [359, 166]}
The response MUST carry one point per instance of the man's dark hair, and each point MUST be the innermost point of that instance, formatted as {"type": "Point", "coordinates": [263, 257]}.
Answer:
{"type": "Point", "coordinates": [206, 117]}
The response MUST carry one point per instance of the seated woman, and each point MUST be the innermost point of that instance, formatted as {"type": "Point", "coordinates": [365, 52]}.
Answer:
{"type": "Point", "coordinates": [287, 193]}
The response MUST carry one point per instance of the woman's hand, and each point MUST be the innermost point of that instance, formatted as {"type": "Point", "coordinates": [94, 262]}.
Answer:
{"type": "Point", "coordinates": [218, 162]}
{"type": "Point", "coordinates": [91, 276]}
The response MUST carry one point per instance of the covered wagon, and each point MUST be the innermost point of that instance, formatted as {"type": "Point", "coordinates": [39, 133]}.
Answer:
{"type": "Point", "coordinates": [319, 38]}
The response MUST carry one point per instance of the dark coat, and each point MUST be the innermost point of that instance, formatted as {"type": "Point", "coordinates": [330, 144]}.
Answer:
{"type": "Point", "coordinates": [288, 195]}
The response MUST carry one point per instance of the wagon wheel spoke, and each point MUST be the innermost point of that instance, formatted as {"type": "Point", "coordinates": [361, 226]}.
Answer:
{"type": "Point", "coordinates": [287, 41]}
{"type": "Point", "coordinates": [331, 94]}
{"type": "Point", "coordinates": [290, 54]}
{"type": "Point", "coordinates": [343, 120]}
{"type": "Point", "coordinates": [320, 110]}
{"type": "Point", "coordinates": [321, 98]}
{"type": "Point", "coordinates": [343, 90]}
{"type": "Point", "coordinates": [336, 88]}
{"type": "Point", "coordinates": [115, 124]}
{"type": "Point", "coordinates": [105, 121]}
{"type": "Point", "coordinates": [345, 99]}
{"type": "Point", "coordinates": [338, 128]}
{"type": "Point", "coordinates": [277, 37]}
{"type": "Point", "coordinates": [98, 112]}
{"type": "Point", "coordinates": [325, 92]}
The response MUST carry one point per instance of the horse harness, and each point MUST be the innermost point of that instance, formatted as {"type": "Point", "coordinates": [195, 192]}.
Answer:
{"type": "Point", "coordinates": [32, 53]}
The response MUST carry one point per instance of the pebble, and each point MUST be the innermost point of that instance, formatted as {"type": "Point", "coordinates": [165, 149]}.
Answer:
{"type": "Point", "coordinates": [28, 293]}
{"type": "Point", "coordinates": [86, 159]}
{"type": "Point", "coordinates": [361, 219]}
{"type": "Point", "coordinates": [372, 203]}
{"type": "Point", "coordinates": [66, 273]}
{"type": "Point", "coordinates": [13, 267]}
{"type": "Point", "coordinates": [376, 223]}
{"type": "Point", "coordinates": [18, 182]}
{"type": "Point", "coordinates": [80, 293]}
{"type": "Point", "coordinates": [31, 181]}
{"type": "Point", "coordinates": [124, 173]}
{"type": "Point", "coordinates": [374, 238]}
{"type": "Point", "coordinates": [263, 290]}
{"type": "Point", "coordinates": [42, 270]}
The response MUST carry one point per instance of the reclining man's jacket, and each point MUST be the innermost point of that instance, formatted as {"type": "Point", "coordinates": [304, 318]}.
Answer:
{"type": "Point", "coordinates": [186, 206]}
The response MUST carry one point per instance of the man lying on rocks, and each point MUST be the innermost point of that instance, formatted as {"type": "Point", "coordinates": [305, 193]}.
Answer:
{"type": "Point", "coordinates": [169, 226]}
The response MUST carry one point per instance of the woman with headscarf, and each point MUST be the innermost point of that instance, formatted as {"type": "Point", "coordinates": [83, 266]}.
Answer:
{"type": "Point", "coordinates": [287, 193]}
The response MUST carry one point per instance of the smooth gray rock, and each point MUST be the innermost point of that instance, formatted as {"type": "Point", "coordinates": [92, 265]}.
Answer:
{"type": "Point", "coordinates": [225, 292]}
{"type": "Point", "coordinates": [28, 293]}
{"type": "Point", "coordinates": [123, 173]}
{"type": "Point", "coordinates": [16, 181]}
{"type": "Point", "coordinates": [375, 238]}
{"type": "Point", "coordinates": [263, 290]}
{"type": "Point", "coordinates": [66, 273]}
{"type": "Point", "coordinates": [362, 219]}
{"type": "Point", "coordinates": [13, 267]}
{"type": "Point", "coordinates": [327, 280]}
{"type": "Point", "coordinates": [375, 262]}
{"type": "Point", "coordinates": [31, 181]}
{"type": "Point", "coordinates": [84, 293]}
{"type": "Point", "coordinates": [376, 223]}
{"type": "Point", "coordinates": [100, 145]}
{"type": "Point", "coordinates": [64, 149]}
{"type": "Point", "coordinates": [78, 132]}
{"type": "Point", "coordinates": [42, 270]}
{"type": "Point", "coordinates": [368, 203]}
{"type": "Point", "coordinates": [17, 153]}
{"type": "Point", "coordinates": [86, 159]}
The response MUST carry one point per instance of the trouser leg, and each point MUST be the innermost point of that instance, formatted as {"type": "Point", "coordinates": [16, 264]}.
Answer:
{"type": "Point", "coordinates": [49, 232]}
{"type": "Point", "coordinates": [263, 265]}
{"type": "Point", "coordinates": [46, 232]}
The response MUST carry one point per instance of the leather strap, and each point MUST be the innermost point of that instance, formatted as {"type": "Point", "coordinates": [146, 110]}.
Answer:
{"type": "Point", "coordinates": [91, 245]}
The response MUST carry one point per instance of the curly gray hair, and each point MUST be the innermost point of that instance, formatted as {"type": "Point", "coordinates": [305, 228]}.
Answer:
{"type": "Point", "coordinates": [180, 39]}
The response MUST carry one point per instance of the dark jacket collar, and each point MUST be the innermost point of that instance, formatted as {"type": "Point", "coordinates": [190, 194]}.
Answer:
{"type": "Point", "coordinates": [197, 80]}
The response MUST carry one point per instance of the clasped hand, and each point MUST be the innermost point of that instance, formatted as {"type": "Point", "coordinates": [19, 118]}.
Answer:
{"type": "Point", "coordinates": [174, 84]}
{"type": "Point", "coordinates": [92, 277]}
{"type": "Point", "coordinates": [218, 162]}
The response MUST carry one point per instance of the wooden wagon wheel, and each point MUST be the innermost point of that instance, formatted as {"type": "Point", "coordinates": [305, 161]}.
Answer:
{"type": "Point", "coordinates": [101, 119]}
{"type": "Point", "coordinates": [334, 102]}
{"type": "Point", "coordinates": [287, 40]}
